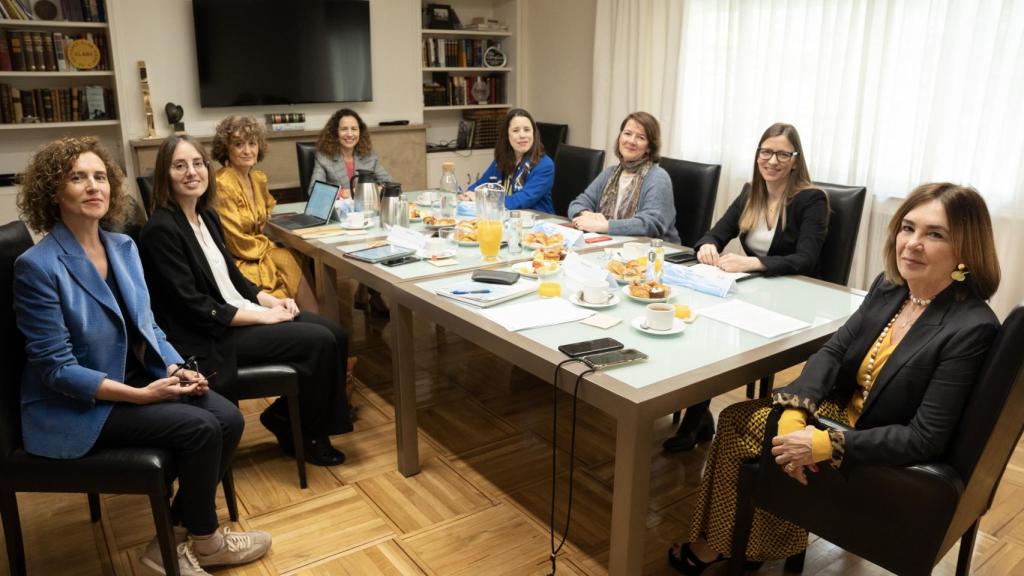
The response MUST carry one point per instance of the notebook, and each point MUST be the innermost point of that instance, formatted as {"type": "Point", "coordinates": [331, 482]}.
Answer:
{"type": "Point", "coordinates": [484, 295]}
{"type": "Point", "coordinates": [319, 209]}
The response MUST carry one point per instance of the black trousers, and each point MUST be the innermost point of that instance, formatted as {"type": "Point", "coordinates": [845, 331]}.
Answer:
{"type": "Point", "coordinates": [201, 431]}
{"type": "Point", "coordinates": [318, 350]}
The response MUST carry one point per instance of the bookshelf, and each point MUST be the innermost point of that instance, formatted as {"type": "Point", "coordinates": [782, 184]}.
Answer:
{"type": "Point", "coordinates": [443, 111]}
{"type": "Point", "coordinates": [40, 89]}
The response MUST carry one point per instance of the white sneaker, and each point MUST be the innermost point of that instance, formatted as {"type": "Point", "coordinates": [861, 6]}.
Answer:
{"type": "Point", "coordinates": [188, 565]}
{"type": "Point", "coordinates": [238, 548]}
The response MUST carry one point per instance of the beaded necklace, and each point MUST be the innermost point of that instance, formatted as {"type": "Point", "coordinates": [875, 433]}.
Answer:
{"type": "Point", "coordinates": [922, 302]}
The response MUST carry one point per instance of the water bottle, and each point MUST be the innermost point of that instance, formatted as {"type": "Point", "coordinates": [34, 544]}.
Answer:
{"type": "Point", "coordinates": [514, 232]}
{"type": "Point", "coordinates": [656, 258]}
{"type": "Point", "coordinates": [449, 183]}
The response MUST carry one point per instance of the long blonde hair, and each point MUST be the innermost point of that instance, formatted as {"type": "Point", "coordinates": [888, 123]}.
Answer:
{"type": "Point", "coordinates": [799, 179]}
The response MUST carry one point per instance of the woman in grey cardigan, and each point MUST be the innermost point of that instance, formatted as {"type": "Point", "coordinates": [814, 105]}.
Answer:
{"type": "Point", "coordinates": [344, 147]}
{"type": "Point", "coordinates": [634, 197]}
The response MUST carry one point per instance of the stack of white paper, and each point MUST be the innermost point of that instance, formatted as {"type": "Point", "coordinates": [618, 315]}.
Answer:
{"type": "Point", "coordinates": [536, 313]}
{"type": "Point", "coordinates": [753, 318]}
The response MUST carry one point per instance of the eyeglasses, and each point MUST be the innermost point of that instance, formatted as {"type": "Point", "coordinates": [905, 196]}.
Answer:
{"type": "Point", "coordinates": [780, 155]}
{"type": "Point", "coordinates": [193, 365]}
{"type": "Point", "coordinates": [181, 166]}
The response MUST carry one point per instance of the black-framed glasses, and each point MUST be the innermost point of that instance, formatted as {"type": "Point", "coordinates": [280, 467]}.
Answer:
{"type": "Point", "coordinates": [181, 166]}
{"type": "Point", "coordinates": [780, 155]}
{"type": "Point", "coordinates": [190, 364]}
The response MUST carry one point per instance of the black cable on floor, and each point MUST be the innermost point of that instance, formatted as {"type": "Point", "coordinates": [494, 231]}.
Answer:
{"type": "Point", "coordinates": [554, 461]}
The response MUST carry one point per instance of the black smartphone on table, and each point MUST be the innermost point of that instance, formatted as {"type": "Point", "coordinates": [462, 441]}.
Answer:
{"type": "Point", "coordinates": [614, 358]}
{"type": "Point", "coordinates": [578, 349]}
{"type": "Point", "coordinates": [400, 260]}
{"type": "Point", "coordinates": [681, 257]}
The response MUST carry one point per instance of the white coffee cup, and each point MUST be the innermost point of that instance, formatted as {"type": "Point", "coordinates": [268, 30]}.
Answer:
{"type": "Point", "coordinates": [595, 292]}
{"type": "Point", "coordinates": [634, 250]}
{"type": "Point", "coordinates": [355, 219]}
{"type": "Point", "coordinates": [660, 316]}
{"type": "Point", "coordinates": [527, 219]}
{"type": "Point", "coordinates": [435, 247]}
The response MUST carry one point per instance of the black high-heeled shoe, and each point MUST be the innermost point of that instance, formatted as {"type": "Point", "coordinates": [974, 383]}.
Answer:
{"type": "Point", "coordinates": [685, 440]}
{"type": "Point", "coordinates": [688, 563]}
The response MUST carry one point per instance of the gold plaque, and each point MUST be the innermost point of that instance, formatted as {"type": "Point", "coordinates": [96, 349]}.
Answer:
{"type": "Point", "coordinates": [83, 54]}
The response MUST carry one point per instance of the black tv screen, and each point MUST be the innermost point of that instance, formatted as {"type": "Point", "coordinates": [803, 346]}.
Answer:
{"type": "Point", "coordinates": [260, 52]}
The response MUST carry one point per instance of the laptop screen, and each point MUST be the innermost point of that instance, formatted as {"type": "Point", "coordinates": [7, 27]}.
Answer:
{"type": "Point", "coordinates": [321, 200]}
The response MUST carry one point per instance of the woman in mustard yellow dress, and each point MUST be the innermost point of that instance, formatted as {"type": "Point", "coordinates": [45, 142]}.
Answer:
{"type": "Point", "coordinates": [244, 204]}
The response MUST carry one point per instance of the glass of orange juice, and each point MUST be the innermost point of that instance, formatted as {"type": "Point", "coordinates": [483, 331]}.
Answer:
{"type": "Point", "coordinates": [550, 283]}
{"type": "Point", "coordinates": [488, 234]}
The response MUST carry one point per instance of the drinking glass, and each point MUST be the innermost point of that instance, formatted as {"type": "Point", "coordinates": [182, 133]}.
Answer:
{"type": "Point", "coordinates": [490, 212]}
{"type": "Point", "coordinates": [448, 235]}
{"type": "Point", "coordinates": [550, 283]}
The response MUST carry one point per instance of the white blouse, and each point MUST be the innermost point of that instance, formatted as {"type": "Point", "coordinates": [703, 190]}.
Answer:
{"type": "Point", "coordinates": [759, 239]}
{"type": "Point", "coordinates": [220, 270]}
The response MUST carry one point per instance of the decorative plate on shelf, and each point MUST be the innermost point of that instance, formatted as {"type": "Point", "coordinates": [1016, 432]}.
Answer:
{"type": "Point", "coordinates": [495, 58]}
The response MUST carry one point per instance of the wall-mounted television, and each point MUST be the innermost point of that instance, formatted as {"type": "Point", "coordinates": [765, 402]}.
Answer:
{"type": "Point", "coordinates": [262, 52]}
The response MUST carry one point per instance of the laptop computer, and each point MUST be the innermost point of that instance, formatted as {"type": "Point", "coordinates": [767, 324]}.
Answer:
{"type": "Point", "coordinates": [319, 209]}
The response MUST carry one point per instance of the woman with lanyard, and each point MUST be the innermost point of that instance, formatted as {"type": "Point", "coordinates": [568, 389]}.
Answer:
{"type": "Point", "coordinates": [521, 166]}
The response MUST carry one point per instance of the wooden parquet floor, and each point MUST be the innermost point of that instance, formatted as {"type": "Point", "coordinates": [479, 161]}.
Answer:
{"type": "Point", "coordinates": [479, 507]}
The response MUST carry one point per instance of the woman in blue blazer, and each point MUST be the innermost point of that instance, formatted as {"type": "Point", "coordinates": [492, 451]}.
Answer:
{"type": "Point", "coordinates": [521, 165]}
{"type": "Point", "coordinates": [100, 371]}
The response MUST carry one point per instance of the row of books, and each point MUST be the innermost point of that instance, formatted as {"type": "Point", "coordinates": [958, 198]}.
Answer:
{"type": "Point", "coordinates": [71, 10]}
{"type": "Point", "coordinates": [34, 51]}
{"type": "Point", "coordinates": [74, 104]}
{"type": "Point", "coordinates": [459, 91]}
{"type": "Point", "coordinates": [448, 52]}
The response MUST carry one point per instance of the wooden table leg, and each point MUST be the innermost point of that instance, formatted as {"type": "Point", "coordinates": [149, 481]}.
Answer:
{"type": "Point", "coordinates": [404, 374]}
{"type": "Point", "coordinates": [327, 290]}
{"type": "Point", "coordinates": [633, 439]}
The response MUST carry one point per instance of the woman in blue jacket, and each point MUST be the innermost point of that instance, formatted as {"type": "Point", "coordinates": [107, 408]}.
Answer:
{"type": "Point", "coordinates": [521, 166]}
{"type": "Point", "coordinates": [99, 370]}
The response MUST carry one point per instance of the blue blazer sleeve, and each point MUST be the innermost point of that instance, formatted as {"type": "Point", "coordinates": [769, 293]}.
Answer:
{"type": "Point", "coordinates": [536, 191]}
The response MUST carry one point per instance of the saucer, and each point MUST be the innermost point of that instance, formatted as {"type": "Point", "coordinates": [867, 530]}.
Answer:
{"type": "Point", "coordinates": [468, 243]}
{"type": "Point", "coordinates": [640, 323]}
{"type": "Point", "coordinates": [446, 253]}
{"type": "Point", "coordinates": [576, 299]}
{"type": "Point", "coordinates": [347, 226]}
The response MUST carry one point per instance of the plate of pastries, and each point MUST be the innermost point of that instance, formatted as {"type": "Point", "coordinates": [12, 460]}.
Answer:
{"type": "Point", "coordinates": [534, 267]}
{"type": "Point", "coordinates": [415, 214]}
{"type": "Point", "coordinates": [648, 292]}
{"type": "Point", "coordinates": [538, 240]}
{"type": "Point", "coordinates": [432, 221]}
{"type": "Point", "coordinates": [629, 271]}
{"type": "Point", "coordinates": [465, 233]}
{"type": "Point", "coordinates": [555, 253]}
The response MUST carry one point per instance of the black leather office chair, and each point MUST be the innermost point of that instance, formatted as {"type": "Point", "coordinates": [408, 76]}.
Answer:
{"type": "Point", "coordinates": [903, 518]}
{"type": "Point", "coordinates": [148, 471]}
{"type": "Point", "coordinates": [694, 189]}
{"type": "Point", "coordinates": [847, 204]}
{"type": "Point", "coordinates": [146, 192]}
{"type": "Point", "coordinates": [274, 380]}
{"type": "Point", "coordinates": [575, 168]}
{"type": "Point", "coordinates": [552, 136]}
{"type": "Point", "coordinates": [306, 154]}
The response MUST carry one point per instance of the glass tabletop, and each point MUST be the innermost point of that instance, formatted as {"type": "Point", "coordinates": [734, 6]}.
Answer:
{"type": "Point", "coordinates": [703, 342]}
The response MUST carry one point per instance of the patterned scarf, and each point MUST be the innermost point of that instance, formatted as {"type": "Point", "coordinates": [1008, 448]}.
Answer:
{"type": "Point", "coordinates": [610, 194]}
{"type": "Point", "coordinates": [514, 183]}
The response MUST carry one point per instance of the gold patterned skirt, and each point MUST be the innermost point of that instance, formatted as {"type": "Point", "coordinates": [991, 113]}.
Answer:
{"type": "Point", "coordinates": [739, 438]}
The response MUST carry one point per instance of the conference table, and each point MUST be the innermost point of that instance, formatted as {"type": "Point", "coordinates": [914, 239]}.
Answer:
{"type": "Point", "coordinates": [709, 358]}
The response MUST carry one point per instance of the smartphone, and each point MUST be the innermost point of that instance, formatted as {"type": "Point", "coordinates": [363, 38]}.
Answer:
{"type": "Point", "coordinates": [680, 257]}
{"type": "Point", "coordinates": [400, 260]}
{"type": "Point", "coordinates": [577, 349]}
{"type": "Point", "coordinates": [614, 358]}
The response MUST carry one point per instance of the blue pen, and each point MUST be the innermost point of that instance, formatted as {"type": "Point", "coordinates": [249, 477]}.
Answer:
{"type": "Point", "coordinates": [462, 292]}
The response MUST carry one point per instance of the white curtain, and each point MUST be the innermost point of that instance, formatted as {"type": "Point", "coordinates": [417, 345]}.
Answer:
{"type": "Point", "coordinates": [885, 93]}
{"type": "Point", "coordinates": [636, 56]}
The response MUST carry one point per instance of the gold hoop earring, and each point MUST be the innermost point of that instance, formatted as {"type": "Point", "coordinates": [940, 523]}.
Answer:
{"type": "Point", "coordinates": [960, 274]}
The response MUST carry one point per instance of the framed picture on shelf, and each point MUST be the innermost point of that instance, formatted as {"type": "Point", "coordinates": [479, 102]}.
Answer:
{"type": "Point", "coordinates": [495, 58]}
{"type": "Point", "coordinates": [441, 17]}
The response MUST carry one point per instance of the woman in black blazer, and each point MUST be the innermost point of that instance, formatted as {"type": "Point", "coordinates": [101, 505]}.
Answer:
{"type": "Point", "coordinates": [212, 312]}
{"type": "Point", "coordinates": [781, 220]}
{"type": "Point", "coordinates": [898, 372]}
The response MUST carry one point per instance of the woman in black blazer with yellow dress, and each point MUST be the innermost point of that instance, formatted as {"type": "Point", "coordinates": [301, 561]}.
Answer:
{"type": "Point", "coordinates": [781, 221]}
{"type": "Point", "coordinates": [898, 372]}
{"type": "Point", "coordinates": [212, 312]}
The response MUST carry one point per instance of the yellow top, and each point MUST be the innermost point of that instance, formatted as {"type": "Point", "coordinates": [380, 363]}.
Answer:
{"type": "Point", "coordinates": [794, 419]}
{"type": "Point", "coordinates": [265, 264]}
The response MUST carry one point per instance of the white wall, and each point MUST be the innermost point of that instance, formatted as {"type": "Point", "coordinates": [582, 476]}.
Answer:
{"type": "Point", "coordinates": [558, 57]}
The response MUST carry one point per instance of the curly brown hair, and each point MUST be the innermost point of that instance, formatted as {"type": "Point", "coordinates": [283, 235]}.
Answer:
{"type": "Point", "coordinates": [47, 173]}
{"type": "Point", "coordinates": [241, 128]}
{"type": "Point", "coordinates": [329, 144]}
